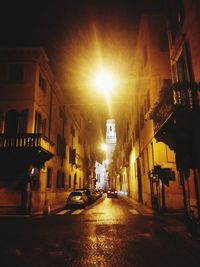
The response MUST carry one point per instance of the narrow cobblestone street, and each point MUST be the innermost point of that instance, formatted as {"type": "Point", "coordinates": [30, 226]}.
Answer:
{"type": "Point", "coordinates": [110, 232]}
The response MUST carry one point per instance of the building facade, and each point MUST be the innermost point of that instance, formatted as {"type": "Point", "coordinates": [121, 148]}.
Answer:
{"type": "Point", "coordinates": [159, 152]}
{"type": "Point", "coordinates": [148, 166]}
{"type": "Point", "coordinates": [43, 146]}
{"type": "Point", "coordinates": [184, 35]}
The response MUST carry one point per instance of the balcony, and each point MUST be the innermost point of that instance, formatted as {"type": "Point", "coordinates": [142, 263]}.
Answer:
{"type": "Point", "coordinates": [175, 117]}
{"type": "Point", "coordinates": [32, 148]}
{"type": "Point", "coordinates": [175, 101]}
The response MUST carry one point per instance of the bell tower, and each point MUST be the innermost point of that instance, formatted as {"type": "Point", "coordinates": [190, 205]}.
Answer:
{"type": "Point", "coordinates": [110, 138]}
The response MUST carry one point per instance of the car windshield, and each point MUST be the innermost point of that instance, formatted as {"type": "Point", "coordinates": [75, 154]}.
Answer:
{"type": "Point", "coordinates": [75, 194]}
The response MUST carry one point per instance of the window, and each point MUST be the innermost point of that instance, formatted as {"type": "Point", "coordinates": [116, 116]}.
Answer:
{"type": "Point", "coordinates": [38, 122]}
{"type": "Point", "coordinates": [16, 122]}
{"type": "Point", "coordinates": [49, 177]}
{"type": "Point", "coordinates": [176, 15]}
{"type": "Point", "coordinates": [61, 146]}
{"type": "Point", "coordinates": [184, 74]}
{"type": "Point", "coordinates": [16, 73]}
{"type": "Point", "coordinates": [60, 180]}
{"type": "Point", "coordinates": [182, 70]}
{"type": "Point", "coordinates": [184, 65]}
{"type": "Point", "coordinates": [42, 83]}
{"type": "Point", "coordinates": [72, 155]}
{"type": "Point", "coordinates": [11, 122]}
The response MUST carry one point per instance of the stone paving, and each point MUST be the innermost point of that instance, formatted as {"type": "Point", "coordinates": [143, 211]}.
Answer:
{"type": "Point", "coordinates": [107, 234]}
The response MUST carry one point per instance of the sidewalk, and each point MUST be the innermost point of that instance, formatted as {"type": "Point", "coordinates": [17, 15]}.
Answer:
{"type": "Point", "coordinates": [141, 208]}
{"type": "Point", "coordinates": [171, 222]}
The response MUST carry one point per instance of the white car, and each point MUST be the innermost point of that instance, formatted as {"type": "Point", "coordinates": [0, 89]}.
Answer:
{"type": "Point", "coordinates": [77, 199]}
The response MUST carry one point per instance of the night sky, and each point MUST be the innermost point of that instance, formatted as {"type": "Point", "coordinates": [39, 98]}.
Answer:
{"type": "Point", "coordinates": [70, 31]}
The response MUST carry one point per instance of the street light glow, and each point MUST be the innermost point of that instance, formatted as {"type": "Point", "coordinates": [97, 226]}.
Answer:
{"type": "Point", "coordinates": [104, 81]}
{"type": "Point", "coordinates": [106, 161]}
{"type": "Point", "coordinates": [104, 147]}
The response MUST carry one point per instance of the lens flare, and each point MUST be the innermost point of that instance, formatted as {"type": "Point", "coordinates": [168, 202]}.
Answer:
{"type": "Point", "coordinates": [104, 81]}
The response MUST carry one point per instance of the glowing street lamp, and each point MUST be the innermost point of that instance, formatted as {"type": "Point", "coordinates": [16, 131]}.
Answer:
{"type": "Point", "coordinates": [103, 80]}
{"type": "Point", "coordinates": [104, 147]}
{"type": "Point", "coordinates": [106, 161]}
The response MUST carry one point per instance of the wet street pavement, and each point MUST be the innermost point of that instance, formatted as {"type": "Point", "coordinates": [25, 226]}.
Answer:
{"type": "Point", "coordinates": [111, 232]}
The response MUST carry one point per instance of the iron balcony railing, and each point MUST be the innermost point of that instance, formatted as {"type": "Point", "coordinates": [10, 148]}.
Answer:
{"type": "Point", "coordinates": [179, 98]}
{"type": "Point", "coordinates": [26, 141]}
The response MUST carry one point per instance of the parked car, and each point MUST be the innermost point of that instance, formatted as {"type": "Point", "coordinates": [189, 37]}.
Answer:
{"type": "Point", "coordinates": [94, 194]}
{"type": "Point", "coordinates": [98, 193]}
{"type": "Point", "coordinates": [112, 193]}
{"type": "Point", "coordinates": [77, 199]}
{"type": "Point", "coordinates": [88, 192]}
